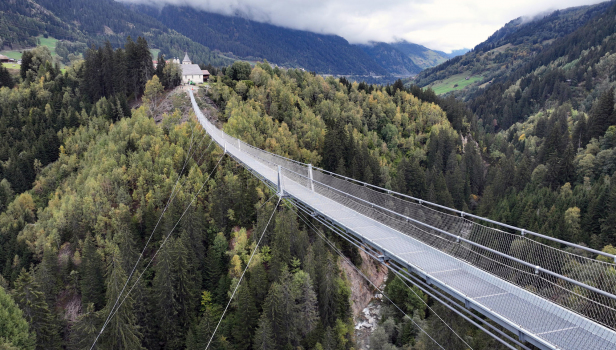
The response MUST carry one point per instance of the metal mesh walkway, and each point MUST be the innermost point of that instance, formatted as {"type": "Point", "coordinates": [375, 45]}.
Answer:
{"type": "Point", "coordinates": [552, 298]}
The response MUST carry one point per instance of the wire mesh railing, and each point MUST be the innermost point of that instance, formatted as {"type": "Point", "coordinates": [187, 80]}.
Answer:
{"type": "Point", "coordinates": [581, 284]}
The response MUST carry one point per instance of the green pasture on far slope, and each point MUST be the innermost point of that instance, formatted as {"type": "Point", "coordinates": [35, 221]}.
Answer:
{"type": "Point", "coordinates": [444, 86]}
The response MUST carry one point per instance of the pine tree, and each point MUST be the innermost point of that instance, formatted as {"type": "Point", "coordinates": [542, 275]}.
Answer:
{"type": "Point", "coordinates": [285, 225]}
{"type": "Point", "coordinates": [48, 276]}
{"type": "Point", "coordinates": [186, 281]}
{"type": "Point", "coordinates": [327, 288]}
{"type": "Point", "coordinates": [306, 310]}
{"type": "Point", "coordinates": [31, 299]}
{"type": "Point", "coordinates": [165, 297]}
{"type": "Point", "coordinates": [199, 336]}
{"type": "Point", "coordinates": [608, 225]}
{"type": "Point", "coordinates": [5, 78]}
{"type": "Point", "coordinates": [26, 63]}
{"type": "Point", "coordinates": [215, 262]}
{"type": "Point", "coordinates": [258, 282]}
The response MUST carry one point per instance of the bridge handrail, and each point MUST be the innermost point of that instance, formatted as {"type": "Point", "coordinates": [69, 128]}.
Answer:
{"type": "Point", "coordinates": [522, 231]}
{"type": "Point", "coordinates": [507, 256]}
{"type": "Point", "coordinates": [475, 244]}
{"type": "Point", "coordinates": [463, 214]}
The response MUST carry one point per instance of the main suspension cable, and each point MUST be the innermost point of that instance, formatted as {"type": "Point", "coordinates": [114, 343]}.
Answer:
{"type": "Point", "coordinates": [245, 269]}
{"type": "Point", "coordinates": [115, 310]}
{"type": "Point", "coordinates": [171, 196]}
{"type": "Point", "coordinates": [323, 237]}
{"type": "Point", "coordinates": [522, 346]}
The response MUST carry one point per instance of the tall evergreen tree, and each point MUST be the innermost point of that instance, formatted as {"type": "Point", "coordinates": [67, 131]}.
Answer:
{"type": "Point", "coordinates": [165, 298]}
{"type": "Point", "coordinates": [264, 337]}
{"type": "Point", "coordinates": [602, 115]}
{"type": "Point", "coordinates": [85, 329]}
{"type": "Point", "coordinates": [92, 275]}
{"type": "Point", "coordinates": [122, 332]}
{"type": "Point", "coordinates": [245, 319]}
{"type": "Point", "coordinates": [31, 299]}
{"type": "Point", "coordinates": [14, 330]}
{"type": "Point", "coordinates": [5, 78]}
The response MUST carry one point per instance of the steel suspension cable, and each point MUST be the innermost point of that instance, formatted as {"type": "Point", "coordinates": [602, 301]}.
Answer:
{"type": "Point", "coordinates": [323, 237]}
{"type": "Point", "coordinates": [171, 196]}
{"type": "Point", "coordinates": [522, 346]}
{"type": "Point", "coordinates": [424, 289]}
{"type": "Point", "coordinates": [244, 272]}
{"type": "Point", "coordinates": [115, 310]}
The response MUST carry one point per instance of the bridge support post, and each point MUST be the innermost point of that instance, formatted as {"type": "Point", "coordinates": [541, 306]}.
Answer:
{"type": "Point", "coordinates": [310, 176]}
{"type": "Point", "coordinates": [280, 185]}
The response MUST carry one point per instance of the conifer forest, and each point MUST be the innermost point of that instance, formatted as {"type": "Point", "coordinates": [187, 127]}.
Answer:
{"type": "Point", "coordinates": [108, 183]}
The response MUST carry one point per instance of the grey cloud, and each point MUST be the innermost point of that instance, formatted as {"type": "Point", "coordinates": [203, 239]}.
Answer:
{"type": "Point", "coordinates": [438, 24]}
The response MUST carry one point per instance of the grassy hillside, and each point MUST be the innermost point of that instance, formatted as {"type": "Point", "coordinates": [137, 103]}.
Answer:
{"type": "Point", "coordinates": [454, 83]}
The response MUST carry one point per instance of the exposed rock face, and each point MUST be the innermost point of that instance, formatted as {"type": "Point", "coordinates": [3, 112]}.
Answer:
{"type": "Point", "coordinates": [361, 291]}
{"type": "Point", "coordinates": [366, 300]}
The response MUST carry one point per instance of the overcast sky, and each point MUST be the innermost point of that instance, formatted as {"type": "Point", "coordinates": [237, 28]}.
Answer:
{"type": "Point", "coordinates": [438, 24]}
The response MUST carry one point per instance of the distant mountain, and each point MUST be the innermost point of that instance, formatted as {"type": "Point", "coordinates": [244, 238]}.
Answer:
{"type": "Point", "coordinates": [402, 58]}
{"type": "Point", "coordinates": [421, 55]}
{"type": "Point", "coordinates": [456, 53]}
{"type": "Point", "coordinates": [573, 71]}
{"type": "Point", "coordinates": [92, 22]}
{"type": "Point", "coordinates": [243, 38]}
{"type": "Point", "coordinates": [507, 50]}
{"type": "Point", "coordinates": [395, 61]}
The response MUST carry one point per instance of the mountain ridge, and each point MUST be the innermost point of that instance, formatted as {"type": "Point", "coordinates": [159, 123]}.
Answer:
{"type": "Point", "coordinates": [323, 53]}
{"type": "Point", "coordinates": [508, 49]}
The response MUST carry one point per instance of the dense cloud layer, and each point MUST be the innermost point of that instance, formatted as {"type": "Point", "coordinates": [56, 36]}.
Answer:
{"type": "Point", "coordinates": [438, 24]}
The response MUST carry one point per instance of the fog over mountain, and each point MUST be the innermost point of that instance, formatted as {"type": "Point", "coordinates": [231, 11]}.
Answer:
{"type": "Point", "coordinates": [444, 25]}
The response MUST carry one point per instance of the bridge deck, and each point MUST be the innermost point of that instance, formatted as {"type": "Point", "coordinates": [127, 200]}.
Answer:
{"type": "Point", "coordinates": [538, 320]}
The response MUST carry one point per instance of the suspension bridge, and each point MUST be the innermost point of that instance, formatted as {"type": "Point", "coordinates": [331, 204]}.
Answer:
{"type": "Point", "coordinates": [551, 293]}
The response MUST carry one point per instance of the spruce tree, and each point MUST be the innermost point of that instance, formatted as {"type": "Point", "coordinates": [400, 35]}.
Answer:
{"type": "Point", "coordinates": [602, 115]}
{"type": "Point", "coordinates": [92, 275]}
{"type": "Point", "coordinates": [122, 332]}
{"type": "Point", "coordinates": [31, 299]}
{"type": "Point", "coordinates": [14, 329]}
{"type": "Point", "coordinates": [245, 319]}
{"type": "Point", "coordinates": [264, 336]}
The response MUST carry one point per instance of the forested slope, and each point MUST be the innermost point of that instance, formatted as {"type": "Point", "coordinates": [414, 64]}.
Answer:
{"type": "Point", "coordinates": [71, 238]}
{"type": "Point", "coordinates": [84, 23]}
{"type": "Point", "coordinates": [254, 40]}
{"type": "Point", "coordinates": [576, 68]}
{"type": "Point", "coordinates": [510, 48]}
